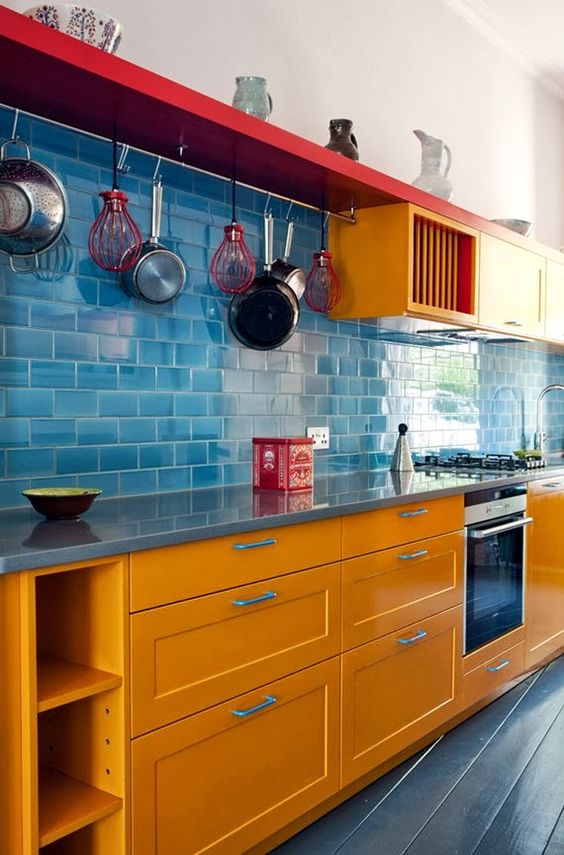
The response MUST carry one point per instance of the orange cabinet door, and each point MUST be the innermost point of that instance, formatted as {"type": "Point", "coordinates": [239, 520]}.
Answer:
{"type": "Point", "coordinates": [544, 604]}
{"type": "Point", "coordinates": [386, 590]}
{"type": "Point", "coordinates": [191, 655]}
{"type": "Point", "coordinates": [399, 688]}
{"type": "Point", "coordinates": [173, 573]}
{"type": "Point", "coordinates": [224, 779]}
{"type": "Point", "coordinates": [493, 674]}
{"type": "Point", "coordinates": [363, 533]}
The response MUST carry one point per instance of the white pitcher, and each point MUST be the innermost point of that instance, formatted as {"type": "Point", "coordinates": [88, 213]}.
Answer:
{"type": "Point", "coordinates": [433, 177]}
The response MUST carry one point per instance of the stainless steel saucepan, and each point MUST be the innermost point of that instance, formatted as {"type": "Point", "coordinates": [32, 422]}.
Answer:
{"type": "Point", "coordinates": [293, 276]}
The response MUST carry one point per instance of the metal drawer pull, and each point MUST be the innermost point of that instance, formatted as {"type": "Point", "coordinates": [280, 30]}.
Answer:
{"type": "Point", "coordinates": [513, 323]}
{"type": "Point", "coordinates": [503, 663]}
{"type": "Point", "coordinates": [417, 637]}
{"type": "Point", "coordinates": [414, 513]}
{"type": "Point", "coordinates": [268, 701]}
{"type": "Point", "coordinates": [480, 533]}
{"type": "Point", "coordinates": [268, 596]}
{"type": "Point", "coordinates": [268, 542]}
{"type": "Point", "coordinates": [417, 554]}
{"type": "Point", "coordinates": [553, 485]}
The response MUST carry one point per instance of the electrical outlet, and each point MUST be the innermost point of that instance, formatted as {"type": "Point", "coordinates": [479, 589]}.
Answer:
{"type": "Point", "coordinates": [320, 436]}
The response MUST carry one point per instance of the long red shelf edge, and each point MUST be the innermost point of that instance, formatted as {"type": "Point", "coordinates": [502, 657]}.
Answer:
{"type": "Point", "coordinates": [56, 76]}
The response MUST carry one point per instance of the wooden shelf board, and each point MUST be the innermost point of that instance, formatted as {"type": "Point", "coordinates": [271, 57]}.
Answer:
{"type": "Point", "coordinates": [65, 805]}
{"type": "Point", "coordinates": [157, 115]}
{"type": "Point", "coordinates": [60, 681]}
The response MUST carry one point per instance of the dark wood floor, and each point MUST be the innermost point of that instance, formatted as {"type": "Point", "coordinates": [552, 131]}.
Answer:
{"type": "Point", "coordinates": [492, 786]}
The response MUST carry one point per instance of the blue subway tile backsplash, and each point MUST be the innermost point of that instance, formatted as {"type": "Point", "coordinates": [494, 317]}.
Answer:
{"type": "Point", "coordinates": [101, 389]}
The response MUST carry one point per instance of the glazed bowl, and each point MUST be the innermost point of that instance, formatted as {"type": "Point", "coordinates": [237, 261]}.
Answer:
{"type": "Point", "coordinates": [88, 25]}
{"type": "Point", "coordinates": [61, 503]}
{"type": "Point", "coordinates": [522, 227]}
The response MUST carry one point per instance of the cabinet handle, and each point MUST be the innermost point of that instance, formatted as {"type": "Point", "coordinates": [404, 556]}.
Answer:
{"type": "Point", "coordinates": [270, 541]}
{"type": "Point", "coordinates": [417, 554]}
{"type": "Point", "coordinates": [553, 485]}
{"type": "Point", "coordinates": [414, 513]}
{"type": "Point", "coordinates": [268, 701]}
{"type": "Point", "coordinates": [417, 637]}
{"type": "Point", "coordinates": [503, 663]}
{"type": "Point", "coordinates": [513, 323]}
{"type": "Point", "coordinates": [269, 595]}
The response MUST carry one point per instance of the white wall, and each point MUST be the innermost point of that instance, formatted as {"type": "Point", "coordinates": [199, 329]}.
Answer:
{"type": "Point", "coordinates": [391, 66]}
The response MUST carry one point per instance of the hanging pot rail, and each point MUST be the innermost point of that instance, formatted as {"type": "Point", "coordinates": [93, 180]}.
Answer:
{"type": "Point", "coordinates": [349, 218]}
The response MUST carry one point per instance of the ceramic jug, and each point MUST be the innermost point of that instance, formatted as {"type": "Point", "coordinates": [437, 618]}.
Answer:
{"type": "Point", "coordinates": [433, 177]}
{"type": "Point", "coordinates": [341, 138]}
{"type": "Point", "coordinates": [251, 97]}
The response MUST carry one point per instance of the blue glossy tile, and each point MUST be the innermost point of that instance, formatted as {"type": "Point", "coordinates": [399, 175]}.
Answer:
{"type": "Point", "coordinates": [190, 453]}
{"type": "Point", "coordinates": [97, 376]}
{"type": "Point", "coordinates": [11, 493]}
{"type": "Point", "coordinates": [52, 374]}
{"type": "Point", "coordinates": [76, 460]}
{"type": "Point", "coordinates": [222, 405]}
{"type": "Point", "coordinates": [55, 138]}
{"type": "Point", "coordinates": [76, 346]}
{"type": "Point", "coordinates": [327, 364]}
{"type": "Point", "coordinates": [97, 321]}
{"type": "Point", "coordinates": [119, 458]}
{"type": "Point", "coordinates": [75, 403]}
{"type": "Point", "coordinates": [14, 372]}
{"type": "Point", "coordinates": [157, 352]}
{"type": "Point", "coordinates": [97, 431]}
{"type": "Point", "coordinates": [52, 316]}
{"type": "Point", "coordinates": [174, 329]}
{"type": "Point", "coordinates": [137, 430]}
{"type": "Point", "coordinates": [236, 473]}
{"type": "Point", "coordinates": [115, 349]}
{"type": "Point", "coordinates": [14, 433]}
{"type": "Point", "coordinates": [28, 342]}
{"type": "Point", "coordinates": [206, 476]}
{"type": "Point", "coordinates": [191, 404]}
{"type": "Point", "coordinates": [29, 461]}
{"type": "Point", "coordinates": [72, 289]}
{"type": "Point", "coordinates": [118, 403]}
{"type": "Point", "coordinates": [29, 402]}
{"type": "Point", "coordinates": [53, 431]}
{"type": "Point", "coordinates": [14, 312]}
{"type": "Point", "coordinates": [156, 456]}
{"type": "Point", "coordinates": [156, 404]}
{"type": "Point", "coordinates": [108, 482]}
{"type": "Point", "coordinates": [210, 187]}
{"type": "Point", "coordinates": [136, 377]}
{"type": "Point", "coordinates": [173, 379]}
{"type": "Point", "coordinates": [179, 478]}
{"type": "Point", "coordinates": [208, 332]}
{"type": "Point", "coordinates": [207, 428]}
{"type": "Point", "coordinates": [138, 325]}
{"type": "Point", "coordinates": [173, 430]}
{"type": "Point", "coordinates": [110, 293]}
{"type": "Point", "coordinates": [138, 483]}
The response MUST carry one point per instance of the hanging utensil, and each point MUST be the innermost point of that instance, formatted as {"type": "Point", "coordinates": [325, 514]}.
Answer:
{"type": "Point", "coordinates": [268, 313]}
{"type": "Point", "coordinates": [114, 242]}
{"type": "Point", "coordinates": [33, 207]}
{"type": "Point", "coordinates": [158, 274]}
{"type": "Point", "coordinates": [293, 276]}
{"type": "Point", "coordinates": [233, 266]}
{"type": "Point", "coordinates": [323, 286]}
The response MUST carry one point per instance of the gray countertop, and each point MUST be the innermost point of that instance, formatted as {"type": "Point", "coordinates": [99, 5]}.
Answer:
{"type": "Point", "coordinates": [128, 524]}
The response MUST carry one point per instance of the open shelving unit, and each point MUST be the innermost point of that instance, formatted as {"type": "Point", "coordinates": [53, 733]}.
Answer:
{"type": "Point", "coordinates": [67, 805]}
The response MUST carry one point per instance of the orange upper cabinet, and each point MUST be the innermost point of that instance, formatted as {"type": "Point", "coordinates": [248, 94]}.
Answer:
{"type": "Point", "coordinates": [404, 260]}
{"type": "Point", "coordinates": [554, 325]}
{"type": "Point", "coordinates": [512, 288]}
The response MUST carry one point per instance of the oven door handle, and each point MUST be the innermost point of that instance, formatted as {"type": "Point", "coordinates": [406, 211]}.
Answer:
{"type": "Point", "coordinates": [480, 533]}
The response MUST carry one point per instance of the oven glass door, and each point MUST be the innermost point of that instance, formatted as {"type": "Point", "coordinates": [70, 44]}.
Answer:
{"type": "Point", "coordinates": [494, 582]}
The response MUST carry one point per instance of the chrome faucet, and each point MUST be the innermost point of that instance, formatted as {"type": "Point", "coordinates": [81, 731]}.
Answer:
{"type": "Point", "coordinates": [539, 435]}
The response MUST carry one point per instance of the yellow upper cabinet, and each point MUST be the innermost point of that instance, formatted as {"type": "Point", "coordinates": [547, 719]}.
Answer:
{"type": "Point", "coordinates": [512, 288]}
{"type": "Point", "coordinates": [554, 325]}
{"type": "Point", "coordinates": [404, 260]}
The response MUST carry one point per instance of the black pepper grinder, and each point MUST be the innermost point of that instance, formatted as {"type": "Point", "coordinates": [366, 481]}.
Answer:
{"type": "Point", "coordinates": [401, 461]}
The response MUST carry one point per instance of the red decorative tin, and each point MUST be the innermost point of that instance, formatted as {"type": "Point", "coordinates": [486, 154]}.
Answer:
{"type": "Point", "coordinates": [267, 503]}
{"type": "Point", "coordinates": [283, 464]}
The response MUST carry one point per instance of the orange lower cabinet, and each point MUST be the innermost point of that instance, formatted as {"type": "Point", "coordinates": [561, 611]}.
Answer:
{"type": "Point", "coordinates": [224, 779]}
{"type": "Point", "coordinates": [399, 688]}
{"type": "Point", "coordinates": [492, 675]}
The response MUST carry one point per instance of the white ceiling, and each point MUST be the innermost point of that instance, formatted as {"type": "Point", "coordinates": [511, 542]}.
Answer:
{"type": "Point", "coordinates": [531, 31]}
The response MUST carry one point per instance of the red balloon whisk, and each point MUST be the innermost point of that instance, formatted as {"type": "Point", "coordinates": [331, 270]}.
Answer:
{"type": "Point", "coordinates": [114, 242]}
{"type": "Point", "coordinates": [323, 286]}
{"type": "Point", "coordinates": [233, 266]}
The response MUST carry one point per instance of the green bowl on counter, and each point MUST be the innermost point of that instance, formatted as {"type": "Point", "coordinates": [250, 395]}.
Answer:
{"type": "Point", "coordinates": [61, 503]}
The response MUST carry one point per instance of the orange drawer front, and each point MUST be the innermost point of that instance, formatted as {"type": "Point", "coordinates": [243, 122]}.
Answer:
{"type": "Point", "coordinates": [399, 524]}
{"type": "Point", "coordinates": [172, 573]}
{"type": "Point", "coordinates": [225, 779]}
{"type": "Point", "coordinates": [191, 655]}
{"type": "Point", "coordinates": [491, 675]}
{"type": "Point", "coordinates": [389, 589]}
{"type": "Point", "coordinates": [397, 689]}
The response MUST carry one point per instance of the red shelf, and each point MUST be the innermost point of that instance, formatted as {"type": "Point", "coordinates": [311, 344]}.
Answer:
{"type": "Point", "coordinates": [56, 76]}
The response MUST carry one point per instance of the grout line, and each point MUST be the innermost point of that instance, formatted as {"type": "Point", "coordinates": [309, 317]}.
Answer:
{"type": "Point", "coordinates": [383, 799]}
{"type": "Point", "coordinates": [478, 755]}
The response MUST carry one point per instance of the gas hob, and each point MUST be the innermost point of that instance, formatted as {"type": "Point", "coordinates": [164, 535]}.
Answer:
{"type": "Point", "coordinates": [477, 462]}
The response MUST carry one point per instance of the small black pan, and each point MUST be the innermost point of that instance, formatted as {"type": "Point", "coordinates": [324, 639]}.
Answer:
{"type": "Point", "coordinates": [267, 314]}
{"type": "Point", "coordinates": [159, 274]}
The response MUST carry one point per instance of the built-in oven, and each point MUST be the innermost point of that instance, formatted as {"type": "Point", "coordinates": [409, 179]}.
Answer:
{"type": "Point", "coordinates": [495, 554]}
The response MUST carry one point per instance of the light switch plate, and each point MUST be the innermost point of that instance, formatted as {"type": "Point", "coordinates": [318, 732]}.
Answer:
{"type": "Point", "coordinates": [320, 436]}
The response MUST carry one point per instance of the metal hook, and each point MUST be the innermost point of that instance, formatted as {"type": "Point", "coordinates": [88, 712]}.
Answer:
{"type": "Point", "coordinates": [121, 165]}
{"type": "Point", "coordinates": [289, 211]}
{"type": "Point", "coordinates": [326, 215]}
{"type": "Point", "coordinates": [267, 211]}
{"type": "Point", "coordinates": [15, 125]}
{"type": "Point", "coordinates": [156, 176]}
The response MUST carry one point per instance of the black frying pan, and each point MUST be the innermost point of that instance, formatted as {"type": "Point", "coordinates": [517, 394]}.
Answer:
{"type": "Point", "coordinates": [267, 314]}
